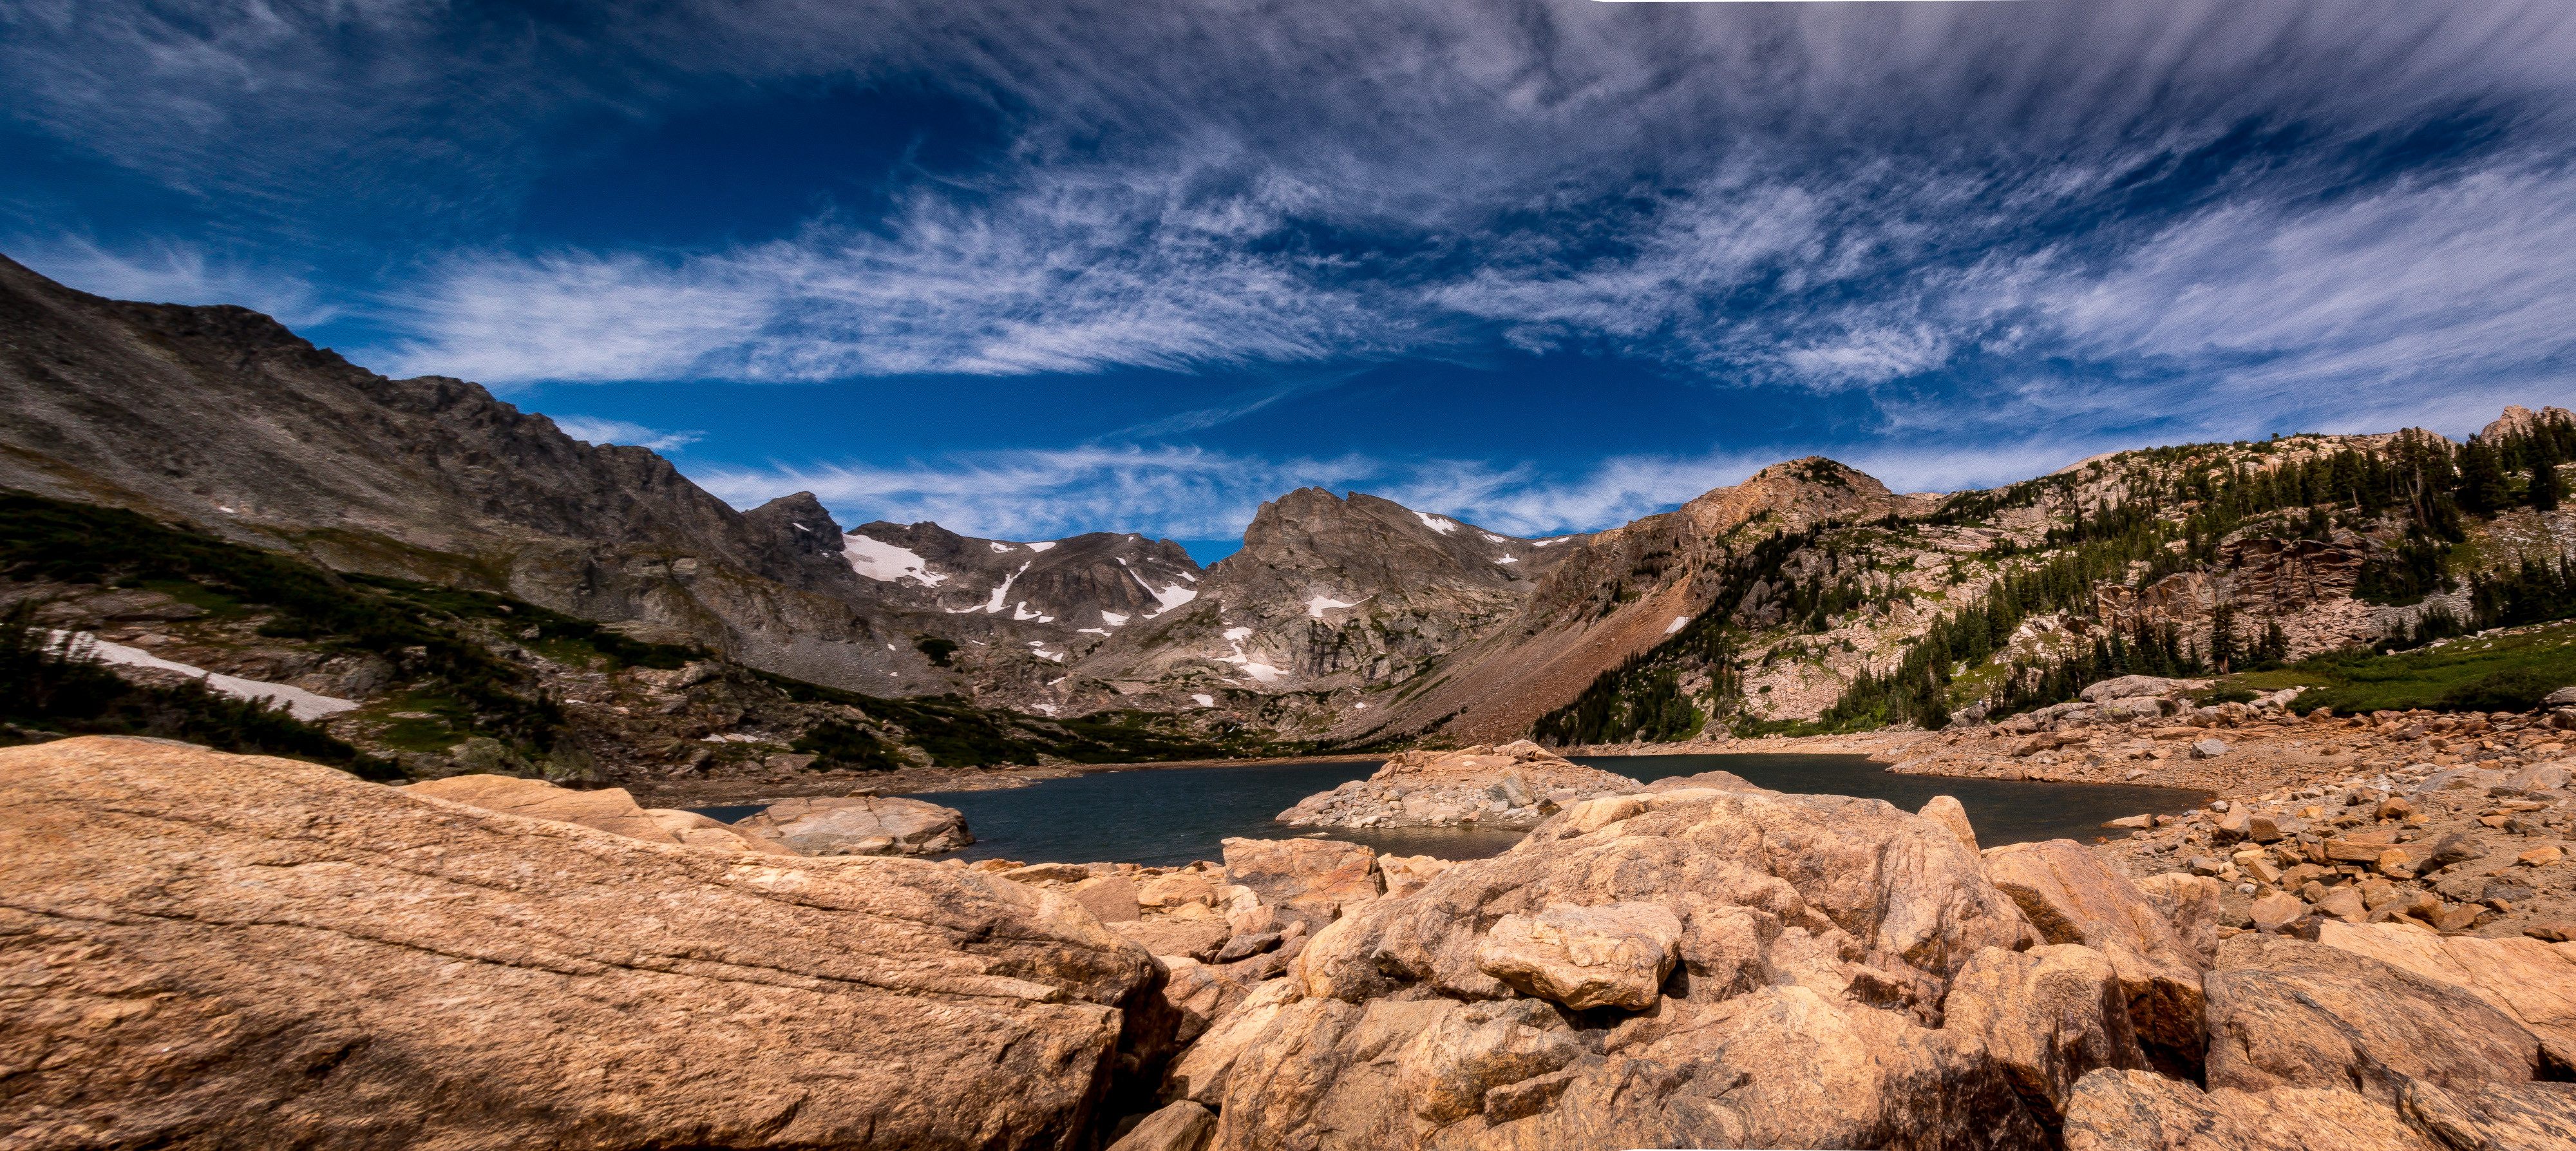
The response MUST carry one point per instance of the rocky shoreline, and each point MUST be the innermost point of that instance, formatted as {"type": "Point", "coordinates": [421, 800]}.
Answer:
{"type": "Point", "coordinates": [1513, 787]}
{"type": "Point", "coordinates": [1696, 963]}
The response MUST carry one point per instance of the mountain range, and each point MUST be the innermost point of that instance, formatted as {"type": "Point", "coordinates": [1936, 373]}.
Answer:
{"type": "Point", "coordinates": [1798, 596]}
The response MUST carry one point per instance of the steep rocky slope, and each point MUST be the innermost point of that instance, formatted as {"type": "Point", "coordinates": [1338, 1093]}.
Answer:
{"type": "Point", "coordinates": [2167, 561]}
{"type": "Point", "coordinates": [1809, 594]}
{"type": "Point", "coordinates": [1332, 601]}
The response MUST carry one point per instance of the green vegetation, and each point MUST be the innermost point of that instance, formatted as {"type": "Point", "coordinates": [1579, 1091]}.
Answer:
{"type": "Point", "coordinates": [843, 746]}
{"type": "Point", "coordinates": [957, 733]}
{"type": "Point", "coordinates": [2501, 673]}
{"type": "Point", "coordinates": [411, 626]}
{"type": "Point", "coordinates": [51, 685]}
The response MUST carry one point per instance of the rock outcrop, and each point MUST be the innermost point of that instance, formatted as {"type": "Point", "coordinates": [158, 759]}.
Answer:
{"type": "Point", "coordinates": [1647, 970]}
{"type": "Point", "coordinates": [213, 950]}
{"type": "Point", "coordinates": [859, 825]}
{"type": "Point", "coordinates": [2070, 895]}
{"type": "Point", "coordinates": [1513, 786]}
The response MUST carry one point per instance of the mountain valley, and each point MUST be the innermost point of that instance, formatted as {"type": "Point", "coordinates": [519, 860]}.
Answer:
{"type": "Point", "coordinates": [1808, 598]}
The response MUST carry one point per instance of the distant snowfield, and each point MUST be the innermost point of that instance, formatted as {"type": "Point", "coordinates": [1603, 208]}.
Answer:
{"type": "Point", "coordinates": [1315, 607]}
{"type": "Point", "coordinates": [1170, 597]}
{"type": "Point", "coordinates": [1039, 546]}
{"type": "Point", "coordinates": [299, 703]}
{"type": "Point", "coordinates": [1234, 637]}
{"type": "Point", "coordinates": [1678, 621]}
{"type": "Point", "coordinates": [886, 563]}
{"type": "Point", "coordinates": [1437, 524]}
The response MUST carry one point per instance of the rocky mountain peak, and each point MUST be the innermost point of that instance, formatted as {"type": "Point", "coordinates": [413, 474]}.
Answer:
{"type": "Point", "coordinates": [1796, 493]}
{"type": "Point", "coordinates": [2519, 420]}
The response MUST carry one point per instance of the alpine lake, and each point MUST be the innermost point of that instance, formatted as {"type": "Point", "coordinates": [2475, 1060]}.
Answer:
{"type": "Point", "coordinates": [1168, 816]}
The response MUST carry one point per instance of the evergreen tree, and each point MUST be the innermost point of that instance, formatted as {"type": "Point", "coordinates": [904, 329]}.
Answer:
{"type": "Point", "coordinates": [2222, 637]}
{"type": "Point", "coordinates": [2482, 484]}
{"type": "Point", "coordinates": [2544, 475]}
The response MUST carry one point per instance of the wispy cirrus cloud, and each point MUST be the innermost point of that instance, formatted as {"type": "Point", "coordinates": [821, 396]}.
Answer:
{"type": "Point", "coordinates": [1195, 493]}
{"type": "Point", "coordinates": [592, 429]}
{"type": "Point", "coordinates": [1994, 238]}
{"type": "Point", "coordinates": [171, 272]}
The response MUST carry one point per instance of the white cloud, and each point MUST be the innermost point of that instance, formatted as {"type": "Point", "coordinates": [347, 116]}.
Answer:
{"type": "Point", "coordinates": [174, 273]}
{"type": "Point", "coordinates": [592, 429]}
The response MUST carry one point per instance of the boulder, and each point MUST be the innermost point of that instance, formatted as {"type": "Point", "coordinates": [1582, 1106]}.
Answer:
{"type": "Point", "coordinates": [1311, 879]}
{"type": "Point", "coordinates": [2288, 1013]}
{"type": "Point", "coordinates": [1181, 1126]}
{"type": "Point", "coordinates": [1513, 786]}
{"type": "Point", "coordinates": [2123, 1110]}
{"type": "Point", "coordinates": [1196, 995]}
{"type": "Point", "coordinates": [1200, 1072]}
{"type": "Point", "coordinates": [2531, 981]}
{"type": "Point", "coordinates": [1405, 874]}
{"type": "Point", "coordinates": [611, 810]}
{"type": "Point", "coordinates": [2137, 1111]}
{"type": "Point", "coordinates": [2208, 748]}
{"type": "Point", "coordinates": [1109, 898]}
{"type": "Point", "coordinates": [860, 825]}
{"type": "Point", "coordinates": [1813, 940]}
{"type": "Point", "coordinates": [1197, 939]}
{"type": "Point", "coordinates": [695, 830]}
{"type": "Point", "coordinates": [2048, 1017]}
{"type": "Point", "coordinates": [216, 950]}
{"type": "Point", "coordinates": [1945, 810]}
{"type": "Point", "coordinates": [1721, 780]}
{"type": "Point", "coordinates": [2071, 896]}
{"type": "Point", "coordinates": [2133, 686]}
{"type": "Point", "coordinates": [1177, 888]}
{"type": "Point", "coordinates": [1611, 955]}
{"type": "Point", "coordinates": [2191, 904]}
{"type": "Point", "coordinates": [1779, 1067]}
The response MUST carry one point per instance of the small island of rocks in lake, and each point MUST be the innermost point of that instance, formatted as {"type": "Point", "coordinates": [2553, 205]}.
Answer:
{"type": "Point", "coordinates": [1512, 786]}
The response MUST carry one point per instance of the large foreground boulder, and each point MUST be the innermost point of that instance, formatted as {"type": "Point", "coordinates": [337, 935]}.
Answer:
{"type": "Point", "coordinates": [2284, 1012]}
{"type": "Point", "coordinates": [210, 950]}
{"type": "Point", "coordinates": [2139, 1111]}
{"type": "Point", "coordinates": [608, 809]}
{"type": "Point", "coordinates": [2072, 896]}
{"type": "Point", "coordinates": [1694, 967]}
{"type": "Point", "coordinates": [2532, 981]}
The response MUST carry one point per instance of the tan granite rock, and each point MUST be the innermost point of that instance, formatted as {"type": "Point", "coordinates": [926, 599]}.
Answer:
{"type": "Point", "coordinates": [334, 963]}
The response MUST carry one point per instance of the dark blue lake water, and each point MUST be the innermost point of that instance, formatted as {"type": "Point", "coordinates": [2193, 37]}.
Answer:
{"type": "Point", "coordinates": [1174, 815]}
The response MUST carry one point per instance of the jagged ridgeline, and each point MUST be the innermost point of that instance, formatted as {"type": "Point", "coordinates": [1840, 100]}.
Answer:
{"type": "Point", "coordinates": [2177, 561]}
{"type": "Point", "coordinates": [438, 667]}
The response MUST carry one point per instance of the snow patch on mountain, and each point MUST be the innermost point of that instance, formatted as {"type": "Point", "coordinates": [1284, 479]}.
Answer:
{"type": "Point", "coordinates": [1678, 621]}
{"type": "Point", "coordinates": [999, 546]}
{"type": "Point", "coordinates": [299, 703]}
{"type": "Point", "coordinates": [1437, 524]}
{"type": "Point", "coordinates": [1170, 597]}
{"type": "Point", "coordinates": [1508, 560]}
{"type": "Point", "coordinates": [1205, 700]}
{"type": "Point", "coordinates": [1315, 607]}
{"type": "Point", "coordinates": [1041, 545]}
{"type": "Point", "coordinates": [993, 606]}
{"type": "Point", "coordinates": [886, 563]}
{"type": "Point", "coordinates": [1491, 538]}
{"type": "Point", "coordinates": [1113, 619]}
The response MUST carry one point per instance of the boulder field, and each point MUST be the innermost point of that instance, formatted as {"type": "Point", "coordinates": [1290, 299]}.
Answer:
{"type": "Point", "coordinates": [210, 950]}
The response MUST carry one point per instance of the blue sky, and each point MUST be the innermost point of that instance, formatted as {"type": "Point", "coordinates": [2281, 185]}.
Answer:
{"type": "Point", "coordinates": [1035, 269]}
